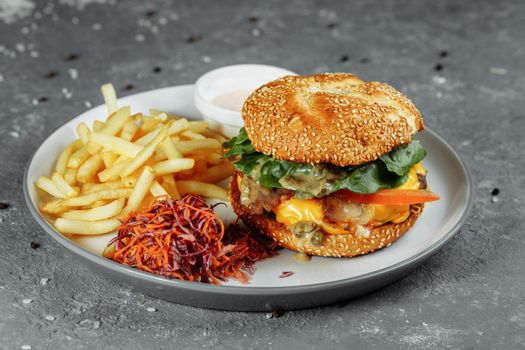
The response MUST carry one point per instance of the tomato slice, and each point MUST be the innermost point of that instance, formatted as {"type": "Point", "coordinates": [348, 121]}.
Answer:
{"type": "Point", "coordinates": [390, 197]}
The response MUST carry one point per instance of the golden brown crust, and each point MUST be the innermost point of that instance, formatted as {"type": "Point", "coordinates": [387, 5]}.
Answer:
{"type": "Point", "coordinates": [333, 245]}
{"type": "Point", "coordinates": [329, 118]}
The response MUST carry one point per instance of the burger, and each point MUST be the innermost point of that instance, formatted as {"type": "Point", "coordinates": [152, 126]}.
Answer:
{"type": "Point", "coordinates": [326, 164]}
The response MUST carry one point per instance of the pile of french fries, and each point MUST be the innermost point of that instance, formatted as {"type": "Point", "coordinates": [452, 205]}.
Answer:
{"type": "Point", "coordinates": [121, 164]}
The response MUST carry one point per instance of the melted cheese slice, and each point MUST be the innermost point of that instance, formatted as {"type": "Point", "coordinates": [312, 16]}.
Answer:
{"type": "Point", "coordinates": [294, 210]}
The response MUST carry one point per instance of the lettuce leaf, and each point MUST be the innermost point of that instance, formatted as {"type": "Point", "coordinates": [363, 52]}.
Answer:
{"type": "Point", "coordinates": [401, 159]}
{"type": "Point", "coordinates": [389, 171]}
{"type": "Point", "coordinates": [239, 144]}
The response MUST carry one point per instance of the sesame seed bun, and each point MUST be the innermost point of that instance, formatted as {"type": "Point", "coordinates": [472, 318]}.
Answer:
{"type": "Point", "coordinates": [329, 118]}
{"type": "Point", "coordinates": [333, 245]}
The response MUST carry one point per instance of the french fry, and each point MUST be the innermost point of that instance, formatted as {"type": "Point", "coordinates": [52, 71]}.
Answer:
{"type": "Point", "coordinates": [141, 188]}
{"type": "Point", "coordinates": [144, 140]}
{"type": "Point", "coordinates": [214, 158]}
{"type": "Point", "coordinates": [190, 146]}
{"type": "Point", "coordinates": [215, 173]}
{"type": "Point", "coordinates": [61, 166]}
{"type": "Point", "coordinates": [203, 189]}
{"type": "Point", "coordinates": [81, 227]}
{"type": "Point", "coordinates": [169, 149]}
{"type": "Point", "coordinates": [78, 158]}
{"type": "Point", "coordinates": [128, 182]}
{"type": "Point", "coordinates": [200, 166]}
{"type": "Point", "coordinates": [178, 126]}
{"type": "Point", "coordinates": [129, 130]}
{"type": "Point", "coordinates": [173, 165]}
{"type": "Point", "coordinates": [114, 172]}
{"type": "Point", "coordinates": [98, 125]}
{"type": "Point", "coordinates": [115, 144]}
{"type": "Point", "coordinates": [112, 126]}
{"type": "Point", "coordinates": [49, 186]}
{"type": "Point", "coordinates": [192, 135]}
{"type": "Point", "coordinates": [214, 135]}
{"type": "Point", "coordinates": [99, 203]}
{"type": "Point", "coordinates": [159, 155]}
{"type": "Point", "coordinates": [106, 211]}
{"type": "Point", "coordinates": [157, 190]}
{"type": "Point", "coordinates": [109, 158]}
{"type": "Point", "coordinates": [198, 126]}
{"type": "Point", "coordinates": [168, 182]}
{"type": "Point", "coordinates": [110, 97]}
{"type": "Point", "coordinates": [91, 187]}
{"type": "Point", "coordinates": [63, 186]}
{"type": "Point", "coordinates": [144, 155]}
{"type": "Point", "coordinates": [154, 112]}
{"type": "Point", "coordinates": [83, 133]}
{"type": "Point", "coordinates": [87, 171]}
{"type": "Point", "coordinates": [87, 199]}
{"type": "Point", "coordinates": [149, 123]}
{"type": "Point", "coordinates": [54, 207]}
{"type": "Point", "coordinates": [71, 176]}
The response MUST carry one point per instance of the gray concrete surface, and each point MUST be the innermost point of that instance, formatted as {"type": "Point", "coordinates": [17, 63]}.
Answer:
{"type": "Point", "coordinates": [463, 64]}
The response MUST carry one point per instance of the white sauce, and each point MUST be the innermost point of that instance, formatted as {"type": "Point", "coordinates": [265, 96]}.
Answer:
{"type": "Point", "coordinates": [232, 100]}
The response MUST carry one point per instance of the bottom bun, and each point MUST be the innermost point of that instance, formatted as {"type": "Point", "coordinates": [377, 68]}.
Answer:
{"type": "Point", "coordinates": [332, 245]}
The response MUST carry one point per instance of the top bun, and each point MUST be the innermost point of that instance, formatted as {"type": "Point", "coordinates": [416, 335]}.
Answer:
{"type": "Point", "coordinates": [329, 118]}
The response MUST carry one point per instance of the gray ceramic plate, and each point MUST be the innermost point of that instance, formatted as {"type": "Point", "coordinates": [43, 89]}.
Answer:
{"type": "Point", "coordinates": [320, 281]}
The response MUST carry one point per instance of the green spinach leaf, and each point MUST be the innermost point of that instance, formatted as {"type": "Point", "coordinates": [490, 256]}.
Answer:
{"type": "Point", "coordinates": [401, 159]}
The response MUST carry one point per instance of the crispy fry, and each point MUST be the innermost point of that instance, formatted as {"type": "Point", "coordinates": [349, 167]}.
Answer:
{"type": "Point", "coordinates": [49, 186]}
{"type": "Point", "coordinates": [141, 188]}
{"type": "Point", "coordinates": [129, 130]}
{"type": "Point", "coordinates": [87, 171]}
{"type": "Point", "coordinates": [83, 132]}
{"type": "Point", "coordinates": [106, 211]}
{"type": "Point", "coordinates": [190, 146]}
{"type": "Point", "coordinates": [112, 126]}
{"type": "Point", "coordinates": [89, 198]}
{"type": "Point", "coordinates": [198, 126]}
{"type": "Point", "coordinates": [144, 140]}
{"type": "Point", "coordinates": [192, 135]}
{"type": "Point", "coordinates": [109, 158]}
{"type": "Point", "coordinates": [110, 97]}
{"type": "Point", "coordinates": [149, 123]}
{"type": "Point", "coordinates": [157, 190]}
{"type": "Point", "coordinates": [200, 166]}
{"type": "Point", "coordinates": [98, 125]}
{"type": "Point", "coordinates": [168, 182]}
{"type": "Point", "coordinates": [78, 158]}
{"type": "Point", "coordinates": [128, 182]}
{"type": "Point", "coordinates": [215, 173]}
{"type": "Point", "coordinates": [178, 126]}
{"type": "Point", "coordinates": [61, 166]}
{"type": "Point", "coordinates": [115, 144]}
{"type": "Point", "coordinates": [71, 177]}
{"type": "Point", "coordinates": [214, 135]}
{"type": "Point", "coordinates": [173, 165]}
{"type": "Point", "coordinates": [114, 171]}
{"type": "Point", "coordinates": [169, 149]}
{"type": "Point", "coordinates": [144, 155]}
{"type": "Point", "coordinates": [203, 189]}
{"type": "Point", "coordinates": [63, 186]}
{"type": "Point", "coordinates": [80, 227]}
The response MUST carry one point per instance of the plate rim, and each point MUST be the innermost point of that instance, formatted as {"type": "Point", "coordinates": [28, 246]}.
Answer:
{"type": "Point", "coordinates": [242, 290]}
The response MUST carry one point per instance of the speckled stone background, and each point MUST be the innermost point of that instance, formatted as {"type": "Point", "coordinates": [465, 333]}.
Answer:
{"type": "Point", "coordinates": [463, 64]}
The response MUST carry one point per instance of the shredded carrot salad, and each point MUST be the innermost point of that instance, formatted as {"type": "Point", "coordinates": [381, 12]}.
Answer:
{"type": "Point", "coordinates": [184, 239]}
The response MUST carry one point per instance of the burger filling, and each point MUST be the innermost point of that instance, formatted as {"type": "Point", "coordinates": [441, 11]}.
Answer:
{"type": "Point", "coordinates": [313, 200]}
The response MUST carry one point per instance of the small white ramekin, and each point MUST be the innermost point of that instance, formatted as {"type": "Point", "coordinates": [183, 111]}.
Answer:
{"type": "Point", "coordinates": [226, 80]}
